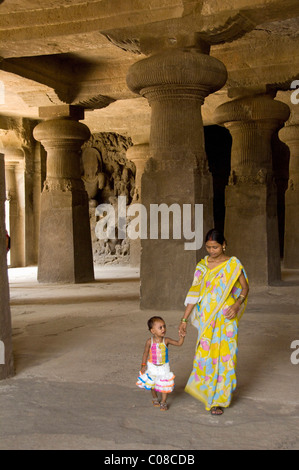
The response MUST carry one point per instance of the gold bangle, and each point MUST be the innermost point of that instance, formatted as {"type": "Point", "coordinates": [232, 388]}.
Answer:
{"type": "Point", "coordinates": [184, 320]}
{"type": "Point", "coordinates": [242, 299]}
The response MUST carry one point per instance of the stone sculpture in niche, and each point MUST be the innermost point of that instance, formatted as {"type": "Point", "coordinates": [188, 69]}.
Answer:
{"type": "Point", "coordinates": [107, 174]}
{"type": "Point", "coordinates": [93, 177]}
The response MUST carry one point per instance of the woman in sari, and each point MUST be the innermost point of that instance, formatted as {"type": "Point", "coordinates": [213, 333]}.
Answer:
{"type": "Point", "coordinates": [215, 304]}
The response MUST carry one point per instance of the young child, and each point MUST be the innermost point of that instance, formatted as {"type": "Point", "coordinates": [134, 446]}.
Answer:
{"type": "Point", "coordinates": [155, 374]}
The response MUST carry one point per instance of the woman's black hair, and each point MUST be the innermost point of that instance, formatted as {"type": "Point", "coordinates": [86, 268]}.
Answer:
{"type": "Point", "coordinates": [215, 236]}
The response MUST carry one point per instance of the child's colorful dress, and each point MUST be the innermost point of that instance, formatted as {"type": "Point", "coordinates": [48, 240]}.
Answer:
{"type": "Point", "coordinates": [157, 374]}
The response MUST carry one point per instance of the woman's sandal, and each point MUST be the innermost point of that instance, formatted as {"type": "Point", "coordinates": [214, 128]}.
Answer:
{"type": "Point", "coordinates": [156, 402]}
{"type": "Point", "coordinates": [163, 406]}
{"type": "Point", "coordinates": [216, 411]}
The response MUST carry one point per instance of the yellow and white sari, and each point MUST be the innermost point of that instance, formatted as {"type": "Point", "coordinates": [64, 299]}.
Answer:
{"type": "Point", "coordinates": [213, 378]}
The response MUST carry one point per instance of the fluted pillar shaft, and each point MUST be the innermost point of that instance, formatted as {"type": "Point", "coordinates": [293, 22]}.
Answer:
{"type": "Point", "coordinates": [251, 224]}
{"type": "Point", "coordinates": [15, 191]}
{"type": "Point", "coordinates": [175, 82]}
{"type": "Point", "coordinates": [65, 253]}
{"type": "Point", "coordinates": [6, 355]}
{"type": "Point", "coordinates": [290, 135]}
{"type": "Point", "coordinates": [138, 154]}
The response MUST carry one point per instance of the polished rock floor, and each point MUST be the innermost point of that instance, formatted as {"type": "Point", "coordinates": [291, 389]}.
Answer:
{"type": "Point", "coordinates": [77, 351]}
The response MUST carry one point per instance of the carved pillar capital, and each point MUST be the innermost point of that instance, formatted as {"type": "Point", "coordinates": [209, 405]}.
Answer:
{"type": "Point", "coordinates": [60, 128]}
{"type": "Point", "coordinates": [260, 108]}
{"type": "Point", "coordinates": [61, 133]}
{"type": "Point", "coordinates": [290, 135]}
{"type": "Point", "coordinates": [139, 155]}
{"type": "Point", "coordinates": [252, 120]}
{"type": "Point", "coordinates": [14, 160]}
{"type": "Point", "coordinates": [62, 138]}
{"type": "Point", "coordinates": [13, 156]}
{"type": "Point", "coordinates": [176, 82]}
{"type": "Point", "coordinates": [175, 73]}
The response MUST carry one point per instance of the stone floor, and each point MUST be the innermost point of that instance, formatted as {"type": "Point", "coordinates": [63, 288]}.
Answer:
{"type": "Point", "coordinates": [77, 351]}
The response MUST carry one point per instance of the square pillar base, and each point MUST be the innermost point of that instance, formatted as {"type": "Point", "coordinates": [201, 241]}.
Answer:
{"type": "Point", "coordinates": [291, 231]}
{"type": "Point", "coordinates": [166, 267]}
{"type": "Point", "coordinates": [251, 230]}
{"type": "Point", "coordinates": [65, 253]}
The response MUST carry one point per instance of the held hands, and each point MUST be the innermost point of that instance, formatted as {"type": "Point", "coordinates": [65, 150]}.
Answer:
{"type": "Point", "coordinates": [183, 329]}
{"type": "Point", "coordinates": [184, 319]}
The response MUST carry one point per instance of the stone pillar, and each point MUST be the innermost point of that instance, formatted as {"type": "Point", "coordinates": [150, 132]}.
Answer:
{"type": "Point", "coordinates": [6, 355]}
{"type": "Point", "coordinates": [175, 82]}
{"type": "Point", "coordinates": [251, 225]}
{"type": "Point", "coordinates": [18, 148]}
{"type": "Point", "coordinates": [37, 181]}
{"type": "Point", "coordinates": [290, 135]}
{"type": "Point", "coordinates": [65, 252]}
{"type": "Point", "coordinates": [15, 191]}
{"type": "Point", "coordinates": [139, 155]}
